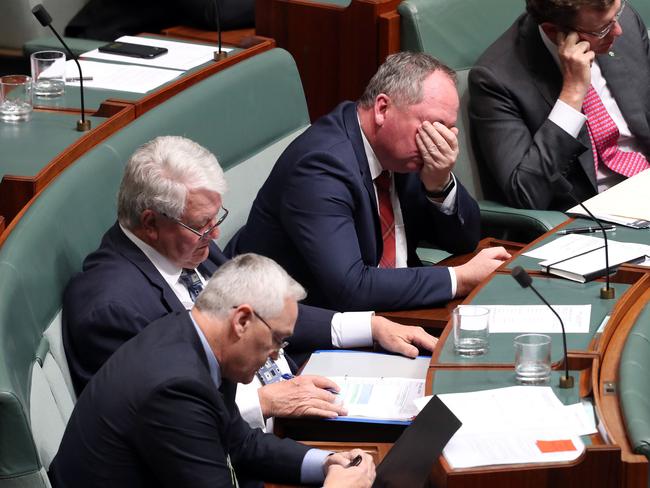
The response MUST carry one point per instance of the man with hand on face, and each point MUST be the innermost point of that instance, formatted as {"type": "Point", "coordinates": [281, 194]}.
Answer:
{"type": "Point", "coordinates": [155, 260]}
{"type": "Point", "coordinates": [565, 91]}
{"type": "Point", "coordinates": [351, 198]}
{"type": "Point", "coordinates": [162, 412]}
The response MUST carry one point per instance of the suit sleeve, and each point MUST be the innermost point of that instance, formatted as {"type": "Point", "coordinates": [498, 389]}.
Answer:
{"type": "Point", "coordinates": [184, 434]}
{"type": "Point", "coordinates": [318, 213]}
{"type": "Point", "coordinates": [523, 161]}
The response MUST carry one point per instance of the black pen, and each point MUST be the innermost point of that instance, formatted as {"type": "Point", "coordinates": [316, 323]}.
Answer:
{"type": "Point", "coordinates": [585, 230]}
{"type": "Point", "coordinates": [85, 78]}
{"type": "Point", "coordinates": [356, 461]}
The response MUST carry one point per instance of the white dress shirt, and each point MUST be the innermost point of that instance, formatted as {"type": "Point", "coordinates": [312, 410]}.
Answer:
{"type": "Point", "coordinates": [571, 120]}
{"type": "Point", "coordinates": [447, 206]}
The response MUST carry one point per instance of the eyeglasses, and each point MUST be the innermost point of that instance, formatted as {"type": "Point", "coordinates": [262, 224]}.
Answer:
{"type": "Point", "coordinates": [206, 233]}
{"type": "Point", "coordinates": [608, 28]}
{"type": "Point", "coordinates": [280, 342]}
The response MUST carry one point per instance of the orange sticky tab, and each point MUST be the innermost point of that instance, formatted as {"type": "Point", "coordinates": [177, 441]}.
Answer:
{"type": "Point", "coordinates": [556, 446]}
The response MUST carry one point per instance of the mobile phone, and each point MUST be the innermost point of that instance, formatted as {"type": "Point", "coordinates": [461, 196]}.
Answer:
{"type": "Point", "coordinates": [132, 50]}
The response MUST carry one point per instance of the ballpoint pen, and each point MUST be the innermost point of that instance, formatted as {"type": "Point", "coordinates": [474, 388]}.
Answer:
{"type": "Point", "coordinates": [76, 78]}
{"type": "Point", "coordinates": [356, 461]}
{"type": "Point", "coordinates": [586, 230]}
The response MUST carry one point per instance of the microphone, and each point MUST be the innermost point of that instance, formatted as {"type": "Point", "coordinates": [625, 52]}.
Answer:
{"type": "Point", "coordinates": [563, 185]}
{"type": "Point", "coordinates": [525, 281]}
{"type": "Point", "coordinates": [46, 21]}
{"type": "Point", "coordinates": [219, 54]}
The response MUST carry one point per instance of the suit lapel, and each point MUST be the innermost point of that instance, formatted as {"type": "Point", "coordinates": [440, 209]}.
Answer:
{"type": "Point", "coordinates": [215, 259]}
{"type": "Point", "coordinates": [132, 253]}
{"type": "Point", "coordinates": [354, 134]}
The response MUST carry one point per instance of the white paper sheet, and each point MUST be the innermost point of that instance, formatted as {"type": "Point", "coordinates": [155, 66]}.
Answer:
{"type": "Point", "coordinates": [537, 318]}
{"type": "Point", "coordinates": [380, 398]}
{"type": "Point", "coordinates": [567, 245]}
{"type": "Point", "coordinates": [503, 426]}
{"type": "Point", "coordinates": [122, 77]}
{"type": "Point", "coordinates": [180, 55]}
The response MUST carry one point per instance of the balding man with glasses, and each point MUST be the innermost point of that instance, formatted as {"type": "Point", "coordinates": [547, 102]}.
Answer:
{"type": "Point", "coordinates": [155, 261]}
{"type": "Point", "coordinates": [564, 92]}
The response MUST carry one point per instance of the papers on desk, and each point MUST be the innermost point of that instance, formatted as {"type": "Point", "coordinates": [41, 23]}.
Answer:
{"type": "Point", "coordinates": [180, 55]}
{"type": "Point", "coordinates": [123, 77]}
{"type": "Point", "coordinates": [526, 319]}
{"type": "Point", "coordinates": [380, 398]}
{"type": "Point", "coordinates": [518, 424]}
{"type": "Point", "coordinates": [581, 258]}
{"type": "Point", "coordinates": [373, 386]}
{"type": "Point", "coordinates": [627, 200]}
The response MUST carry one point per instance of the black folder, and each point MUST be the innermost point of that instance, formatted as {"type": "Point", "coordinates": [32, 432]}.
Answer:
{"type": "Point", "coordinates": [409, 462]}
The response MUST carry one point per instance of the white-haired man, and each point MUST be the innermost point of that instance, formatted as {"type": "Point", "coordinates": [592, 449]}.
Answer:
{"type": "Point", "coordinates": [161, 411]}
{"type": "Point", "coordinates": [155, 260]}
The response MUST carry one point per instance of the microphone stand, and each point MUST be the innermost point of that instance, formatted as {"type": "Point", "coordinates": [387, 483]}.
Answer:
{"type": "Point", "coordinates": [219, 55]}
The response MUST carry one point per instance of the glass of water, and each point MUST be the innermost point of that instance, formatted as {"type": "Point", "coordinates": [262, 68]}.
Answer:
{"type": "Point", "coordinates": [533, 359]}
{"type": "Point", "coordinates": [15, 98]}
{"type": "Point", "coordinates": [48, 73]}
{"type": "Point", "coordinates": [471, 328]}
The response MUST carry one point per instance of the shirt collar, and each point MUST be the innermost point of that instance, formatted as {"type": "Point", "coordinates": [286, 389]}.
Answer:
{"type": "Point", "coordinates": [213, 364]}
{"type": "Point", "coordinates": [168, 270]}
{"type": "Point", "coordinates": [552, 48]}
{"type": "Point", "coordinates": [373, 163]}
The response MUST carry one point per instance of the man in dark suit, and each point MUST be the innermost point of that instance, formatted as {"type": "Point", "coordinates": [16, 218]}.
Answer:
{"type": "Point", "coordinates": [171, 187]}
{"type": "Point", "coordinates": [351, 198]}
{"type": "Point", "coordinates": [536, 95]}
{"type": "Point", "coordinates": [161, 411]}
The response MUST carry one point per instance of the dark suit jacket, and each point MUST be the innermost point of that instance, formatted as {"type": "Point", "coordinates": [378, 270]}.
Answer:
{"type": "Point", "coordinates": [152, 416]}
{"type": "Point", "coordinates": [513, 88]}
{"type": "Point", "coordinates": [107, 20]}
{"type": "Point", "coordinates": [119, 292]}
{"type": "Point", "coordinates": [317, 216]}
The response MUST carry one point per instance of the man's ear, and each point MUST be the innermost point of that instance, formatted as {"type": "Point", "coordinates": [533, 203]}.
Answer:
{"type": "Point", "coordinates": [382, 104]}
{"type": "Point", "coordinates": [241, 319]}
{"type": "Point", "coordinates": [149, 224]}
{"type": "Point", "coordinates": [551, 30]}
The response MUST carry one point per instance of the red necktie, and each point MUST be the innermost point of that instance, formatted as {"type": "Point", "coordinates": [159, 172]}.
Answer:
{"type": "Point", "coordinates": [604, 134]}
{"type": "Point", "coordinates": [387, 219]}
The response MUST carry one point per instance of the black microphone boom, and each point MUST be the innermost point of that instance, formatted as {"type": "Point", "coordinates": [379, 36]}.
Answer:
{"type": "Point", "coordinates": [218, 54]}
{"type": "Point", "coordinates": [607, 292]}
{"type": "Point", "coordinates": [46, 21]}
{"type": "Point", "coordinates": [524, 279]}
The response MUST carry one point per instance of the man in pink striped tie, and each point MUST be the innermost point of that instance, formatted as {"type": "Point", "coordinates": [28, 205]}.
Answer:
{"type": "Point", "coordinates": [565, 91]}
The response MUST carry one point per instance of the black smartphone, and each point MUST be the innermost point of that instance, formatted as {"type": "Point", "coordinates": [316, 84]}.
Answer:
{"type": "Point", "coordinates": [132, 50]}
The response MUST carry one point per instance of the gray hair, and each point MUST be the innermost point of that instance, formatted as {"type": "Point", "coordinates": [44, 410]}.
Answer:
{"type": "Point", "coordinates": [401, 76]}
{"type": "Point", "coordinates": [253, 279]}
{"type": "Point", "coordinates": [159, 175]}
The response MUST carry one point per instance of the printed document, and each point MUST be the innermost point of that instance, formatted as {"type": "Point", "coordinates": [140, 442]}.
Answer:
{"type": "Point", "coordinates": [537, 318]}
{"type": "Point", "coordinates": [518, 424]}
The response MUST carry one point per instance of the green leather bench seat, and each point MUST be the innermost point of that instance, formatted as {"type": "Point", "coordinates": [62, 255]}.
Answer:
{"type": "Point", "coordinates": [246, 114]}
{"type": "Point", "coordinates": [457, 32]}
{"type": "Point", "coordinates": [634, 387]}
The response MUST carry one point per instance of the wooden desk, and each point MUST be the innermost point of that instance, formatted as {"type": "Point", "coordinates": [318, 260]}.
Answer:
{"type": "Point", "coordinates": [336, 48]}
{"type": "Point", "coordinates": [35, 152]}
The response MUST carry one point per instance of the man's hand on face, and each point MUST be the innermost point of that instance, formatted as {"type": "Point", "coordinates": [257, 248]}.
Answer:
{"type": "Point", "coordinates": [302, 396]}
{"type": "Point", "coordinates": [402, 339]}
{"type": "Point", "coordinates": [576, 57]}
{"type": "Point", "coordinates": [438, 146]}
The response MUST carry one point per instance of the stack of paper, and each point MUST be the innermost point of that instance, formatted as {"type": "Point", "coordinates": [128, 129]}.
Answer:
{"type": "Point", "coordinates": [518, 424]}
{"type": "Point", "coordinates": [527, 319]}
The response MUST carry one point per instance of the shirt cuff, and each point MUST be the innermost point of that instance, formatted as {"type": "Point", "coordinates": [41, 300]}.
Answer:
{"type": "Point", "coordinates": [248, 402]}
{"type": "Point", "coordinates": [448, 205]}
{"type": "Point", "coordinates": [452, 277]}
{"type": "Point", "coordinates": [352, 329]}
{"type": "Point", "coordinates": [567, 118]}
{"type": "Point", "coordinates": [311, 471]}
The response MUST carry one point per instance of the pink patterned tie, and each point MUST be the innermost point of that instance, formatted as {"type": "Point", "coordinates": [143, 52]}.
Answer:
{"type": "Point", "coordinates": [604, 134]}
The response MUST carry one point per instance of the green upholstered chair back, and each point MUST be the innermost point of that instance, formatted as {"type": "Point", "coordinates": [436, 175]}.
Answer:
{"type": "Point", "coordinates": [466, 168]}
{"type": "Point", "coordinates": [456, 31]}
{"type": "Point", "coordinates": [246, 114]}
{"type": "Point", "coordinates": [634, 388]}
{"type": "Point", "coordinates": [643, 7]}
{"type": "Point", "coordinates": [45, 248]}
